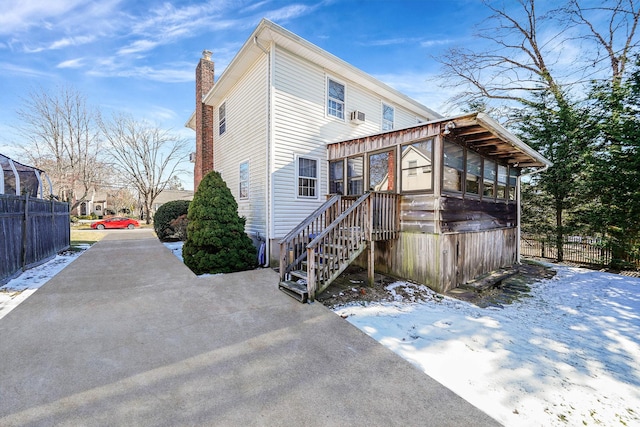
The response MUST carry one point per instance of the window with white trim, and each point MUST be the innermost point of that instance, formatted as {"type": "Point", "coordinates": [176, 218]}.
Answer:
{"type": "Point", "coordinates": [388, 114]}
{"type": "Point", "coordinates": [243, 180]}
{"type": "Point", "coordinates": [335, 99]}
{"type": "Point", "coordinates": [222, 118]}
{"type": "Point", "coordinates": [307, 177]}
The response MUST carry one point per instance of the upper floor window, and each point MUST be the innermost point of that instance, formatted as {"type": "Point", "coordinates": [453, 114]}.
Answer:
{"type": "Point", "coordinates": [243, 180]}
{"type": "Point", "coordinates": [335, 99]}
{"type": "Point", "coordinates": [222, 118]}
{"type": "Point", "coordinates": [387, 117]}
{"type": "Point", "coordinates": [307, 177]}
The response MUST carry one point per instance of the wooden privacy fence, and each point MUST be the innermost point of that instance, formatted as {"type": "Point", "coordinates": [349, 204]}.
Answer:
{"type": "Point", "coordinates": [579, 249]}
{"type": "Point", "coordinates": [31, 231]}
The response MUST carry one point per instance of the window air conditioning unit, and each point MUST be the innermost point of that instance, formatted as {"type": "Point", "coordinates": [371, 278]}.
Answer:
{"type": "Point", "coordinates": [357, 117]}
{"type": "Point", "coordinates": [192, 157]}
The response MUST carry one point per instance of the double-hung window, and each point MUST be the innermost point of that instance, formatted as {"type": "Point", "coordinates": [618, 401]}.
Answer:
{"type": "Point", "coordinates": [388, 114]}
{"type": "Point", "coordinates": [307, 177]}
{"type": "Point", "coordinates": [335, 99]}
{"type": "Point", "coordinates": [222, 118]}
{"type": "Point", "coordinates": [243, 180]}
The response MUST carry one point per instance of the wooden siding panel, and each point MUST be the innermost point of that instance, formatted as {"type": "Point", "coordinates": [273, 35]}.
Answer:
{"type": "Point", "coordinates": [246, 140]}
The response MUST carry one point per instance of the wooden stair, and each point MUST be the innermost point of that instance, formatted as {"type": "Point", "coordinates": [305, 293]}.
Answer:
{"type": "Point", "coordinates": [317, 251]}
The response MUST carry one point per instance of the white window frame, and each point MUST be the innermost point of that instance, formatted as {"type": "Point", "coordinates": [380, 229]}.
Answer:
{"type": "Point", "coordinates": [245, 181]}
{"type": "Point", "coordinates": [329, 99]}
{"type": "Point", "coordinates": [316, 179]}
{"type": "Point", "coordinates": [386, 123]}
{"type": "Point", "coordinates": [222, 120]}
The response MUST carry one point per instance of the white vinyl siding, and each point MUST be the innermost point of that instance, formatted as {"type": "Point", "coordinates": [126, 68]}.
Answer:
{"type": "Point", "coordinates": [301, 127]}
{"type": "Point", "coordinates": [245, 140]}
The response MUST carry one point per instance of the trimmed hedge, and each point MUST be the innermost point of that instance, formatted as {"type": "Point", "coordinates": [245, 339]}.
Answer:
{"type": "Point", "coordinates": [164, 221]}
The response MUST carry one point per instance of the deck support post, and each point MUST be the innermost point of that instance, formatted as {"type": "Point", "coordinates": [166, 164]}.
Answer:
{"type": "Point", "coordinates": [370, 264]}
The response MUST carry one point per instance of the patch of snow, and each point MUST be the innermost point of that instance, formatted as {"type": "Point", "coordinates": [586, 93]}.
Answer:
{"type": "Point", "coordinates": [569, 355]}
{"type": "Point", "coordinates": [20, 288]}
{"type": "Point", "coordinates": [175, 248]}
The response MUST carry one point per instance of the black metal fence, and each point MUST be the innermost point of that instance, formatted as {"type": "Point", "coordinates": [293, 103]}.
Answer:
{"type": "Point", "coordinates": [31, 232]}
{"type": "Point", "coordinates": [578, 249]}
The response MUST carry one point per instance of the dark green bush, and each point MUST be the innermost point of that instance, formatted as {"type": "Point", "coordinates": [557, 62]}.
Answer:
{"type": "Point", "coordinates": [216, 240]}
{"type": "Point", "coordinates": [166, 214]}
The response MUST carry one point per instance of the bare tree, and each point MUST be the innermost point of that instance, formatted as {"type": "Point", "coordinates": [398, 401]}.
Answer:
{"type": "Point", "coordinates": [526, 47]}
{"type": "Point", "coordinates": [145, 154]}
{"type": "Point", "coordinates": [617, 38]}
{"type": "Point", "coordinates": [63, 139]}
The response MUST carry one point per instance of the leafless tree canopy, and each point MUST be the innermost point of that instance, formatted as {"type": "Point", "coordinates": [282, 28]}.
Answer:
{"type": "Point", "coordinates": [556, 50]}
{"type": "Point", "coordinates": [145, 154]}
{"type": "Point", "coordinates": [63, 139]}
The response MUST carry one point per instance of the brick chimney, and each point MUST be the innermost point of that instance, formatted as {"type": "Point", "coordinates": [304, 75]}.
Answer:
{"type": "Point", "coordinates": [204, 120]}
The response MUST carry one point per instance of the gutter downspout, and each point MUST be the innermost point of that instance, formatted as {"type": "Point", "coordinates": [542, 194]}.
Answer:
{"type": "Point", "coordinates": [519, 185]}
{"type": "Point", "coordinates": [267, 223]}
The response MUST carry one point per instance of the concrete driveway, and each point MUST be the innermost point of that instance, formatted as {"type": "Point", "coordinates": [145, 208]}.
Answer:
{"type": "Point", "coordinates": [127, 335]}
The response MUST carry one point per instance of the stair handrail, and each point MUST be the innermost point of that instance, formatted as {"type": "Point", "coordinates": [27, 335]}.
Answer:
{"type": "Point", "coordinates": [298, 238]}
{"type": "Point", "coordinates": [312, 217]}
{"type": "Point", "coordinates": [323, 275]}
{"type": "Point", "coordinates": [338, 220]}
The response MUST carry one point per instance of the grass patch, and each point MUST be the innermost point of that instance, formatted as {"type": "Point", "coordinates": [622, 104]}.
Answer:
{"type": "Point", "coordinates": [81, 236]}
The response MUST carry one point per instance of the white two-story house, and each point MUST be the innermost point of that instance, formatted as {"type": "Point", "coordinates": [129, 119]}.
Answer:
{"type": "Point", "coordinates": [288, 124]}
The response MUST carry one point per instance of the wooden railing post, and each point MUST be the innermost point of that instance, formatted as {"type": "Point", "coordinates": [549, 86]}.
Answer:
{"type": "Point", "coordinates": [311, 274]}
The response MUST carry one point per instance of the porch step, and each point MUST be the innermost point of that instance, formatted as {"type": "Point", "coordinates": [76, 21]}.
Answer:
{"type": "Point", "coordinates": [493, 279]}
{"type": "Point", "coordinates": [295, 290]}
{"type": "Point", "coordinates": [301, 274]}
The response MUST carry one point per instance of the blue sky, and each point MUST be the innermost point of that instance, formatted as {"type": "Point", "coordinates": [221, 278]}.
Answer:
{"type": "Point", "coordinates": [139, 56]}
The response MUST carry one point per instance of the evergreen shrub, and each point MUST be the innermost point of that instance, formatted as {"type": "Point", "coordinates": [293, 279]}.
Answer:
{"type": "Point", "coordinates": [216, 240]}
{"type": "Point", "coordinates": [163, 220]}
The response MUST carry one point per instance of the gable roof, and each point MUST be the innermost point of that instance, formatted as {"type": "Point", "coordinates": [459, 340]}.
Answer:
{"type": "Point", "coordinates": [267, 32]}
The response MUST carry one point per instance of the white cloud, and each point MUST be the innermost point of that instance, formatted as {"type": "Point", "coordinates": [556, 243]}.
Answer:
{"type": "Point", "coordinates": [19, 15]}
{"type": "Point", "coordinates": [8, 68]}
{"type": "Point", "coordinates": [138, 46]}
{"type": "Point", "coordinates": [71, 63]}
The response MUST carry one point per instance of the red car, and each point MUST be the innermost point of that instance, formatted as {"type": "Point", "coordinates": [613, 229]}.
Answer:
{"type": "Point", "coordinates": [116, 222]}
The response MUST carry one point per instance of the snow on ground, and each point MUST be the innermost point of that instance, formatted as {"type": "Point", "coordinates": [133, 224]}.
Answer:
{"type": "Point", "coordinates": [20, 288]}
{"type": "Point", "coordinates": [175, 248]}
{"type": "Point", "coordinates": [568, 355]}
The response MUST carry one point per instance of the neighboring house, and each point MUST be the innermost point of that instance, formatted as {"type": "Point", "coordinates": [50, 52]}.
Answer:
{"type": "Point", "coordinates": [95, 203]}
{"type": "Point", "coordinates": [169, 196]}
{"type": "Point", "coordinates": [288, 124]}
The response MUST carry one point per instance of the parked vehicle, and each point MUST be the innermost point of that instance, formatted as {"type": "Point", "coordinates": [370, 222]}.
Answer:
{"type": "Point", "coordinates": [116, 222]}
